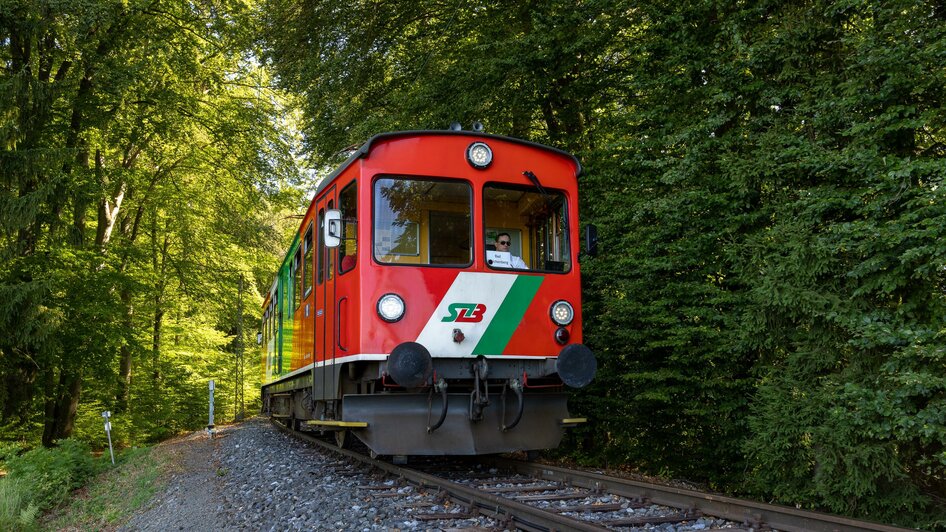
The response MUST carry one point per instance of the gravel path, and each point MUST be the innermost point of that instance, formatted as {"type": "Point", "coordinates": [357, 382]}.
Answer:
{"type": "Point", "coordinates": [253, 477]}
{"type": "Point", "coordinates": [192, 487]}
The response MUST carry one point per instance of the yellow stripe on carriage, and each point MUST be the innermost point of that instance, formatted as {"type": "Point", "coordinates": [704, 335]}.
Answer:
{"type": "Point", "coordinates": [331, 423]}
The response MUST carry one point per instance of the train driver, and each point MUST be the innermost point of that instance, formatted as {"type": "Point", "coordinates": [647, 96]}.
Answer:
{"type": "Point", "coordinates": [503, 241]}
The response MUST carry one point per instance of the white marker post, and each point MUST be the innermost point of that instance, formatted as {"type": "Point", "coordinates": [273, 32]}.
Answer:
{"type": "Point", "coordinates": [108, 432]}
{"type": "Point", "coordinates": [210, 424]}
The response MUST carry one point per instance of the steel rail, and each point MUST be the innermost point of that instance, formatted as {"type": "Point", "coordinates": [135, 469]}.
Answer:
{"type": "Point", "coordinates": [526, 517]}
{"type": "Point", "coordinates": [739, 510]}
{"type": "Point", "coordinates": [522, 516]}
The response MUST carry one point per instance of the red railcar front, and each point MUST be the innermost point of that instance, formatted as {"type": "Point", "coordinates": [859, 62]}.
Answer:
{"type": "Point", "coordinates": [446, 297]}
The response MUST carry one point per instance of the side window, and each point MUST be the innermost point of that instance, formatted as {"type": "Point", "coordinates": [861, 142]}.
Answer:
{"type": "Point", "coordinates": [329, 253]}
{"type": "Point", "coordinates": [297, 279]}
{"type": "Point", "coordinates": [307, 261]}
{"type": "Point", "coordinates": [321, 266]}
{"type": "Point", "coordinates": [264, 326]}
{"type": "Point", "coordinates": [348, 250]}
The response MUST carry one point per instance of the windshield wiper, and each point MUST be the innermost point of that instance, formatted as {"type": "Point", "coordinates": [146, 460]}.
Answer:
{"type": "Point", "coordinates": [535, 181]}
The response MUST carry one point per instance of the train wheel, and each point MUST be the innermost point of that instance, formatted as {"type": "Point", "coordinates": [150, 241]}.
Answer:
{"type": "Point", "coordinates": [342, 439]}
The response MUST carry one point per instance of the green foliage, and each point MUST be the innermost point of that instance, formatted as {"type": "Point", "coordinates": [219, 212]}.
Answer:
{"type": "Point", "coordinates": [43, 478]}
{"type": "Point", "coordinates": [9, 450]}
{"type": "Point", "coordinates": [49, 474]}
{"type": "Point", "coordinates": [537, 70]}
{"type": "Point", "coordinates": [17, 511]}
{"type": "Point", "coordinates": [146, 165]}
{"type": "Point", "coordinates": [767, 180]}
{"type": "Point", "coordinates": [113, 495]}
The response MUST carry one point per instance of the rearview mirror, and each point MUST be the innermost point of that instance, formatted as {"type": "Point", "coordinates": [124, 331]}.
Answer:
{"type": "Point", "coordinates": [333, 228]}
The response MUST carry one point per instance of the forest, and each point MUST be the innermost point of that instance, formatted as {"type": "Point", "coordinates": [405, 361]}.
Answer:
{"type": "Point", "coordinates": [768, 304]}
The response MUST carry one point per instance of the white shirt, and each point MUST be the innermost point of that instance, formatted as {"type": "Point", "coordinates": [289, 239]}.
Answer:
{"type": "Point", "coordinates": [517, 263]}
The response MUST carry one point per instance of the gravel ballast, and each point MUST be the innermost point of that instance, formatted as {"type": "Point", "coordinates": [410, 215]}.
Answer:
{"type": "Point", "coordinates": [253, 477]}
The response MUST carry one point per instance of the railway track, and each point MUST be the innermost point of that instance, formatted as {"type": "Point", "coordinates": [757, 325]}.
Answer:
{"type": "Point", "coordinates": [522, 495]}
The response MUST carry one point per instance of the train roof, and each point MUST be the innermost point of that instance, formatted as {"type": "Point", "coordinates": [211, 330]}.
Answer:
{"type": "Point", "coordinates": [366, 148]}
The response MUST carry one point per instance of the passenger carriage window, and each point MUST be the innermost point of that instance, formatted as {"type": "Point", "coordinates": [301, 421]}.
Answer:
{"type": "Point", "coordinates": [307, 262]}
{"type": "Point", "coordinates": [329, 252]}
{"type": "Point", "coordinates": [321, 267]}
{"type": "Point", "coordinates": [526, 229]}
{"type": "Point", "coordinates": [422, 221]}
{"type": "Point", "coordinates": [348, 249]}
{"type": "Point", "coordinates": [297, 279]}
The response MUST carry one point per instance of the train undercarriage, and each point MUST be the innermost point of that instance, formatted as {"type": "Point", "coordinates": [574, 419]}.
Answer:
{"type": "Point", "coordinates": [458, 406]}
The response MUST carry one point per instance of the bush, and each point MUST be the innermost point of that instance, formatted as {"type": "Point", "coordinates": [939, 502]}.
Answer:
{"type": "Point", "coordinates": [48, 475]}
{"type": "Point", "coordinates": [10, 449]}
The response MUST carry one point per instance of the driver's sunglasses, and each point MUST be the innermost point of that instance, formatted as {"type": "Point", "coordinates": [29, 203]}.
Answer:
{"type": "Point", "coordinates": [503, 242]}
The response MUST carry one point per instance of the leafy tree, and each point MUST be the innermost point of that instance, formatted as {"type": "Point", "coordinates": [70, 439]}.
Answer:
{"type": "Point", "coordinates": [531, 69]}
{"type": "Point", "coordinates": [787, 165]}
{"type": "Point", "coordinates": [150, 119]}
{"type": "Point", "coordinates": [767, 180]}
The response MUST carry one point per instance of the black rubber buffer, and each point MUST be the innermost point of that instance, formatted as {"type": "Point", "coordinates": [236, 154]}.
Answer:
{"type": "Point", "coordinates": [576, 365]}
{"type": "Point", "coordinates": [410, 365]}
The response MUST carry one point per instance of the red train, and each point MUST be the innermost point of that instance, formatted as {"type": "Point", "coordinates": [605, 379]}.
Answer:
{"type": "Point", "coordinates": [430, 302]}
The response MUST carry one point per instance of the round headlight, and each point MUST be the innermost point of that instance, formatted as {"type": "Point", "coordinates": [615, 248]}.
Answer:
{"type": "Point", "coordinates": [562, 312]}
{"type": "Point", "coordinates": [391, 307]}
{"type": "Point", "coordinates": [479, 155]}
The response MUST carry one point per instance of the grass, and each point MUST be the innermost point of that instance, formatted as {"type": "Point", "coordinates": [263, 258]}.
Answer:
{"type": "Point", "coordinates": [109, 499]}
{"type": "Point", "coordinates": [16, 510]}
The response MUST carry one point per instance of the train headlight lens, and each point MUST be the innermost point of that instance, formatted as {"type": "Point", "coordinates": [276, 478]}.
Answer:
{"type": "Point", "coordinates": [391, 307]}
{"type": "Point", "coordinates": [479, 155]}
{"type": "Point", "coordinates": [562, 312]}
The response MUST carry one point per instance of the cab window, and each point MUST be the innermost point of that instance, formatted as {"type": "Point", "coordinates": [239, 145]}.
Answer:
{"type": "Point", "coordinates": [422, 221]}
{"type": "Point", "coordinates": [526, 229]}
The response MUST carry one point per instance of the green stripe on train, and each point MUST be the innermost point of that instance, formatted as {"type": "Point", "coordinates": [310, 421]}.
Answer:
{"type": "Point", "coordinates": [509, 315]}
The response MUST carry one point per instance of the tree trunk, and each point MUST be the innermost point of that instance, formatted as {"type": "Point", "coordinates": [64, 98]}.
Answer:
{"type": "Point", "coordinates": [156, 340]}
{"type": "Point", "coordinates": [61, 408]}
{"type": "Point", "coordinates": [159, 262]}
{"type": "Point", "coordinates": [123, 389]}
{"type": "Point", "coordinates": [109, 206]}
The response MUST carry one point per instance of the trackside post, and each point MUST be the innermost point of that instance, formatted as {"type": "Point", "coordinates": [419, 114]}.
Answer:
{"type": "Point", "coordinates": [210, 422]}
{"type": "Point", "coordinates": [108, 432]}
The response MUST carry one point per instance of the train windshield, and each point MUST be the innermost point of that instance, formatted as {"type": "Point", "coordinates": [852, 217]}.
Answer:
{"type": "Point", "coordinates": [526, 229]}
{"type": "Point", "coordinates": [422, 221]}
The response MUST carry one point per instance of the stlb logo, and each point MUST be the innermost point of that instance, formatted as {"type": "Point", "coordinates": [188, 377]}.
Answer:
{"type": "Point", "coordinates": [465, 313]}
